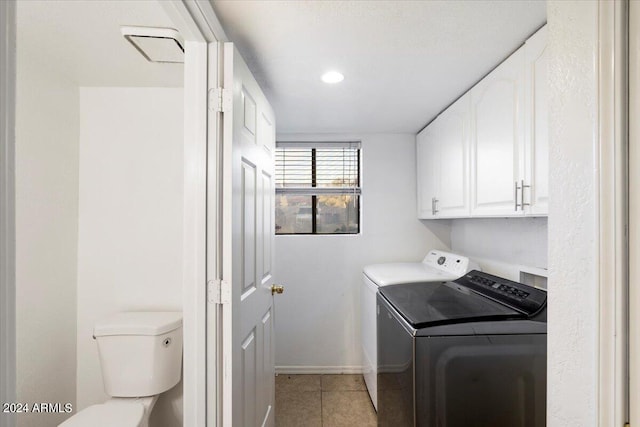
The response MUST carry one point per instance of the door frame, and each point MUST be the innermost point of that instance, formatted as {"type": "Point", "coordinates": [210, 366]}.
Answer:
{"type": "Point", "coordinates": [7, 208]}
{"type": "Point", "coordinates": [612, 213]}
{"type": "Point", "coordinates": [202, 32]}
{"type": "Point", "coordinates": [634, 213]}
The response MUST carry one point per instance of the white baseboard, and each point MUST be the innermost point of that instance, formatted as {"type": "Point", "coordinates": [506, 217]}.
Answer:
{"type": "Point", "coordinates": [319, 370]}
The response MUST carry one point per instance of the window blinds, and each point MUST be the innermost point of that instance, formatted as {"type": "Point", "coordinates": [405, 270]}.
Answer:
{"type": "Point", "coordinates": [315, 168]}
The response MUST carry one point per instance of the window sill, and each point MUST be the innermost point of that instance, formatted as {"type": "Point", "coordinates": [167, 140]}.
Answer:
{"type": "Point", "coordinates": [319, 235]}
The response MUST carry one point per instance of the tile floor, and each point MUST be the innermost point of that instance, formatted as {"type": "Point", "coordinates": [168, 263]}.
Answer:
{"type": "Point", "coordinates": [323, 401]}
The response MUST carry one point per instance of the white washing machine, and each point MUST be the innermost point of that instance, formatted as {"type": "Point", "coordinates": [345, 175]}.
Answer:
{"type": "Point", "coordinates": [437, 266]}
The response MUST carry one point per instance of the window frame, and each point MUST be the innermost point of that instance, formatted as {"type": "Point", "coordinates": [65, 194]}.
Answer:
{"type": "Point", "coordinates": [357, 191]}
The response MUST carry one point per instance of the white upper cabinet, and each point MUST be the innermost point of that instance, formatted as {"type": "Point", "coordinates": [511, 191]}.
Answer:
{"type": "Point", "coordinates": [536, 154]}
{"type": "Point", "coordinates": [487, 154]}
{"type": "Point", "coordinates": [452, 191]}
{"type": "Point", "coordinates": [443, 168]}
{"type": "Point", "coordinates": [497, 117]}
{"type": "Point", "coordinates": [427, 163]}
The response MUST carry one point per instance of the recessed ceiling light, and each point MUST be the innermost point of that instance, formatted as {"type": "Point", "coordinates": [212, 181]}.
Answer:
{"type": "Point", "coordinates": [332, 77]}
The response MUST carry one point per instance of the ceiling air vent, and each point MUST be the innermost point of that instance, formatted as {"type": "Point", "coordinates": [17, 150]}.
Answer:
{"type": "Point", "coordinates": [163, 45]}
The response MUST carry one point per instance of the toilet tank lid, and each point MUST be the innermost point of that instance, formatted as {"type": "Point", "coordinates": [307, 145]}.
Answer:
{"type": "Point", "coordinates": [138, 323]}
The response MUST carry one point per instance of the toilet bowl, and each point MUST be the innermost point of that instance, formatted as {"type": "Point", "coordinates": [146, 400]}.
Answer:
{"type": "Point", "coordinates": [140, 358]}
{"type": "Point", "coordinates": [122, 412]}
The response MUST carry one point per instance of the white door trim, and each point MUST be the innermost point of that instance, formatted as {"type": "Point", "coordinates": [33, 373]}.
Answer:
{"type": "Point", "coordinates": [194, 255]}
{"type": "Point", "coordinates": [7, 207]}
{"type": "Point", "coordinates": [634, 213]}
{"type": "Point", "coordinates": [200, 28]}
{"type": "Point", "coordinates": [612, 214]}
{"type": "Point", "coordinates": [195, 19]}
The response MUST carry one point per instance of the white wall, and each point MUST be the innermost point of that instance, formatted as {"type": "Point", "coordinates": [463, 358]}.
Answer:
{"type": "Point", "coordinates": [573, 256]}
{"type": "Point", "coordinates": [318, 316]}
{"type": "Point", "coordinates": [46, 162]}
{"type": "Point", "coordinates": [130, 219]}
{"type": "Point", "coordinates": [514, 241]}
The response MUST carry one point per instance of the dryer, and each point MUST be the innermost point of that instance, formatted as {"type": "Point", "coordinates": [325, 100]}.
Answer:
{"type": "Point", "coordinates": [471, 352]}
{"type": "Point", "coordinates": [437, 266]}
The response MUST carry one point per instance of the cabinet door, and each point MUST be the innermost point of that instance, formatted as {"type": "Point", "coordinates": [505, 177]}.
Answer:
{"type": "Point", "coordinates": [426, 170]}
{"type": "Point", "coordinates": [536, 155]}
{"type": "Point", "coordinates": [497, 121]}
{"type": "Point", "coordinates": [453, 142]}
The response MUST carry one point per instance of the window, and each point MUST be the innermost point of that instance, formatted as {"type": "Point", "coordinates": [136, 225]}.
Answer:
{"type": "Point", "coordinates": [317, 187]}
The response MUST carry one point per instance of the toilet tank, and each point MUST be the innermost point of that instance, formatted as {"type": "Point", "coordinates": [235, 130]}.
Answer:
{"type": "Point", "coordinates": [140, 352]}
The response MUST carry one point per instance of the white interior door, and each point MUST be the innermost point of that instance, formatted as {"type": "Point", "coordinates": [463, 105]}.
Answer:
{"type": "Point", "coordinates": [248, 236]}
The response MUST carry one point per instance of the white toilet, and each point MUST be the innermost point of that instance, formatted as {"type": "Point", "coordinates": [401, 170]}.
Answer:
{"type": "Point", "coordinates": [140, 357]}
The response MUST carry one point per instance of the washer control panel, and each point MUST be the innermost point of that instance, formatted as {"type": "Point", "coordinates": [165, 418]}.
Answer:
{"type": "Point", "coordinates": [457, 265]}
{"type": "Point", "coordinates": [519, 296]}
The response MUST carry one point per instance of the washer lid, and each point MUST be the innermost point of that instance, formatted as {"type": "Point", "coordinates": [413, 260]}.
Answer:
{"type": "Point", "coordinates": [431, 304]}
{"type": "Point", "coordinates": [139, 323]}
{"type": "Point", "coordinates": [405, 272]}
{"type": "Point", "coordinates": [129, 415]}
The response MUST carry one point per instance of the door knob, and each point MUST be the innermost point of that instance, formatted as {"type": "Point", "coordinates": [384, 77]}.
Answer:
{"type": "Point", "coordinates": [277, 289]}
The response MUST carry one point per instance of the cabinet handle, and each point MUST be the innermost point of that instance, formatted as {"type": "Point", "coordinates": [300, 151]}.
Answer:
{"type": "Point", "coordinates": [522, 203]}
{"type": "Point", "coordinates": [515, 196]}
{"type": "Point", "coordinates": [435, 206]}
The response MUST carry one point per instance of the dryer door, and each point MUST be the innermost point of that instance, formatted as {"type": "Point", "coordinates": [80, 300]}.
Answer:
{"type": "Point", "coordinates": [430, 304]}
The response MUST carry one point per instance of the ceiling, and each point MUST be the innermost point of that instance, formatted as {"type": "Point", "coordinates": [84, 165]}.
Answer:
{"type": "Point", "coordinates": [403, 61]}
{"type": "Point", "coordinates": [82, 41]}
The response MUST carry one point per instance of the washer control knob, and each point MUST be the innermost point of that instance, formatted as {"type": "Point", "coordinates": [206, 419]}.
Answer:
{"type": "Point", "coordinates": [441, 260]}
